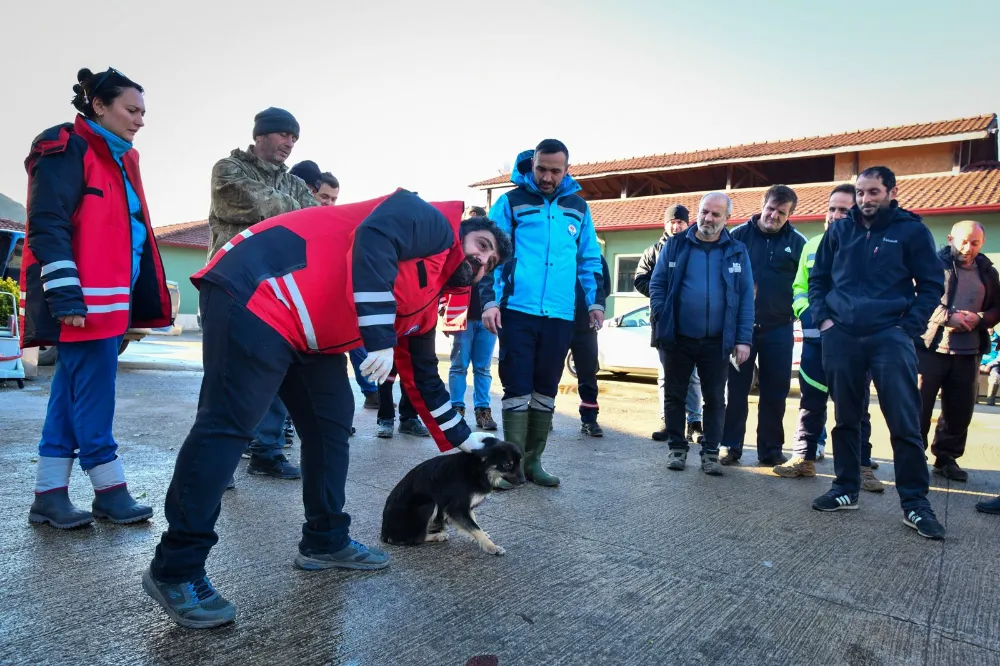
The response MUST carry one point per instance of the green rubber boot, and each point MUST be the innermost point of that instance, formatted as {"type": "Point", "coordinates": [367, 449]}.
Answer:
{"type": "Point", "coordinates": [539, 423]}
{"type": "Point", "coordinates": [515, 431]}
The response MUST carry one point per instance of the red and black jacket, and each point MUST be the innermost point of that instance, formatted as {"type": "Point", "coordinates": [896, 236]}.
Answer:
{"type": "Point", "coordinates": [78, 249]}
{"type": "Point", "coordinates": [333, 278]}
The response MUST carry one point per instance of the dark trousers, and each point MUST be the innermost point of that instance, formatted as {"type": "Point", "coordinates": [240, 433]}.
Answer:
{"type": "Point", "coordinates": [386, 410]}
{"type": "Point", "coordinates": [584, 348]}
{"type": "Point", "coordinates": [812, 405]}
{"type": "Point", "coordinates": [679, 360]}
{"type": "Point", "coordinates": [532, 352]}
{"type": "Point", "coordinates": [773, 351]}
{"type": "Point", "coordinates": [890, 357]}
{"type": "Point", "coordinates": [246, 362]}
{"type": "Point", "coordinates": [957, 378]}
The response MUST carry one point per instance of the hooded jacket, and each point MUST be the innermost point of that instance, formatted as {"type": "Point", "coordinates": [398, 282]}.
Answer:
{"type": "Point", "coordinates": [991, 301]}
{"type": "Point", "coordinates": [647, 263]}
{"type": "Point", "coordinates": [554, 247]}
{"type": "Point", "coordinates": [868, 279]}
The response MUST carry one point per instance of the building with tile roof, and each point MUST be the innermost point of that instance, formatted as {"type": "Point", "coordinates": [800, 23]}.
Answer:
{"type": "Point", "coordinates": [184, 249]}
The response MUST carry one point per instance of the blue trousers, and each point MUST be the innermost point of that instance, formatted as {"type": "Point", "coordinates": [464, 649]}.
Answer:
{"type": "Point", "coordinates": [532, 352]}
{"type": "Point", "coordinates": [475, 344]}
{"type": "Point", "coordinates": [82, 403]}
{"type": "Point", "coordinates": [890, 357]}
{"type": "Point", "coordinates": [269, 438]}
{"type": "Point", "coordinates": [358, 357]}
{"type": "Point", "coordinates": [774, 350]}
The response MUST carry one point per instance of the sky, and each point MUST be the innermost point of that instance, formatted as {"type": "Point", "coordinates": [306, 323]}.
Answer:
{"type": "Point", "coordinates": [435, 95]}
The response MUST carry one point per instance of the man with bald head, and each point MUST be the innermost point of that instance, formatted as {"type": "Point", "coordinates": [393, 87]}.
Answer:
{"type": "Point", "coordinates": [696, 324]}
{"type": "Point", "coordinates": [955, 340]}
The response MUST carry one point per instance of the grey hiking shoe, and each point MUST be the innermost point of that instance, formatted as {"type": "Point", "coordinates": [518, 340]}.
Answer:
{"type": "Point", "coordinates": [677, 459]}
{"type": "Point", "coordinates": [710, 464]}
{"type": "Point", "coordinates": [413, 427]}
{"type": "Point", "coordinates": [195, 605]}
{"type": "Point", "coordinates": [353, 556]}
{"type": "Point", "coordinates": [869, 482]}
{"type": "Point", "coordinates": [385, 428]}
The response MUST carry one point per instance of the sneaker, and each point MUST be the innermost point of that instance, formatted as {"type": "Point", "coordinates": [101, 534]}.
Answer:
{"type": "Point", "coordinates": [835, 501]}
{"type": "Point", "coordinates": [385, 428]}
{"type": "Point", "coordinates": [727, 457]}
{"type": "Point", "coordinates": [710, 464]}
{"type": "Point", "coordinates": [821, 453]}
{"type": "Point", "coordinates": [989, 506]}
{"type": "Point", "coordinates": [660, 435]}
{"type": "Point", "coordinates": [413, 427]}
{"type": "Point", "coordinates": [484, 419]}
{"type": "Point", "coordinates": [677, 459]}
{"type": "Point", "coordinates": [795, 468]}
{"type": "Point", "coordinates": [869, 482]}
{"type": "Point", "coordinates": [232, 483]}
{"type": "Point", "coordinates": [772, 461]}
{"type": "Point", "coordinates": [353, 556]}
{"type": "Point", "coordinates": [277, 467]}
{"type": "Point", "coordinates": [195, 605]}
{"type": "Point", "coordinates": [925, 523]}
{"type": "Point", "coordinates": [592, 429]}
{"type": "Point", "coordinates": [695, 434]}
{"type": "Point", "coordinates": [371, 401]}
{"type": "Point", "coordinates": [949, 469]}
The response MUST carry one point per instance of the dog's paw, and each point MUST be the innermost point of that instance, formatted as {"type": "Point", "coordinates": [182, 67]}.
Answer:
{"type": "Point", "coordinates": [436, 536]}
{"type": "Point", "coordinates": [494, 549]}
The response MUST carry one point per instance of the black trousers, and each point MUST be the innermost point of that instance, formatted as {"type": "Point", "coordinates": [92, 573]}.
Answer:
{"type": "Point", "coordinates": [246, 363]}
{"type": "Point", "coordinates": [957, 378]}
{"type": "Point", "coordinates": [584, 348]}
{"type": "Point", "coordinates": [679, 360]}
{"type": "Point", "coordinates": [386, 410]}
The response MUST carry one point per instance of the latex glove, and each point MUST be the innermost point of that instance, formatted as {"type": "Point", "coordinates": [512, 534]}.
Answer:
{"type": "Point", "coordinates": [377, 366]}
{"type": "Point", "coordinates": [476, 441]}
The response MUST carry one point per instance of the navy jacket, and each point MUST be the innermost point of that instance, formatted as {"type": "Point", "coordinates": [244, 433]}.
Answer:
{"type": "Point", "coordinates": [867, 280]}
{"type": "Point", "coordinates": [664, 286]}
{"type": "Point", "coordinates": [775, 261]}
{"type": "Point", "coordinates": [582, 318]}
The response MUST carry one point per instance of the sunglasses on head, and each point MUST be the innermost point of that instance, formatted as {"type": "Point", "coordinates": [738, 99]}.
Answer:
{"type": "Point", "coordinates": [102, 79]}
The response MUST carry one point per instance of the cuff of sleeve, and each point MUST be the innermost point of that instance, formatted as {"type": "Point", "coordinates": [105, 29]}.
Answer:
{"type": "Point", "coordinates": [491, 304]}
{"type": "Point", "coordinates": [378, 344]}
{"type": "Point", "coordinates": [596, 306]}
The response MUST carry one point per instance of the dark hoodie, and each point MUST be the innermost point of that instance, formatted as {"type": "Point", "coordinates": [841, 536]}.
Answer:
{"type": "Point", "coordinates": [867, 280]}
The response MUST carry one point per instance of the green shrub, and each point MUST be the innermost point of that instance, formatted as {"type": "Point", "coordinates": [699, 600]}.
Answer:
{"type": "Point", "coordinates": [6, 307]}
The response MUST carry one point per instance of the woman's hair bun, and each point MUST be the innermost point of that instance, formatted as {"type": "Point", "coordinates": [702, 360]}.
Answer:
{"type": "Point", "coordinates": [84, 75]}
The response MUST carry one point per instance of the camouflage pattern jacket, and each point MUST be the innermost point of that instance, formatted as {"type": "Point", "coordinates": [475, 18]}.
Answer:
{"type": "Point", "coordinates": [247, 190]}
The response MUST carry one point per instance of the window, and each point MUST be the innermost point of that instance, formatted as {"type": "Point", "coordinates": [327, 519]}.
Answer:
{"type": "Point", "coordinates": [625, 267]}
{"type": "Point", "coordinates": [636, 319]}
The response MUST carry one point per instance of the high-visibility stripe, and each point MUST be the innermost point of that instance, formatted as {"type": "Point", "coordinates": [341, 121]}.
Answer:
{"type": "Point", "coordinates": [107, 291]}
{"type": "Point", "coordinates": [812, 382]}
{"type": "Point", "coordinates": [811, 333]}
{"type": "Point", "coordinates": [300, 308]}
{"type": "Point", "coordinates": [800, 297]}
{"type": "Point", "coordinates": [591, 405]}
{"type": "Point", "coordinates": [58, 266]}
{"type": "Point", "coordinates": [443, 409]}
{"type": "Point", "coordinates": [246, 233]}
{"type": "Point", "coordinates": [277, 292]}
{"type": "Point", "coordinates": [103, 309]}
{"type": "Point", "coordinates": [61, 282]}
{"type": "Point", "coordinates": [377, 320]}
{"type": "Point", "coordinates": [454, 421]}
{"type": "Point", "coordinates": [373, 297]}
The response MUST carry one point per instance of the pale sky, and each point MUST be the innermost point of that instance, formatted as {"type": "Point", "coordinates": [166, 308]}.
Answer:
{"type": "Point", "coordinates": [434, 95]}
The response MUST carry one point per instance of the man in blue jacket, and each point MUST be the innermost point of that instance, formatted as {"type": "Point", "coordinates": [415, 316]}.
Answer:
{"type": "Point", "coordinates": [775, 247]}
{"type": "Point", "coordinates": [531, 301]}
{"type": "Point", "coordinates": [701, 300]}
{"type": "Point", "coordinates": [874, 285]}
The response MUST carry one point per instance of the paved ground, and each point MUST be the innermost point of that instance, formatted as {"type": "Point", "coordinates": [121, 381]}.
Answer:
{"type": "Point", "coordinates": [626, 563]}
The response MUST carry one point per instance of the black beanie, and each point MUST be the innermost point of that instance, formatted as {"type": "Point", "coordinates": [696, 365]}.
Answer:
{"type": "Point", "coordinates": [677, 212]}
{"type": "Point", "coordinates": [272, 120]}
{"type": "Point", "coordinates": [308, 171]}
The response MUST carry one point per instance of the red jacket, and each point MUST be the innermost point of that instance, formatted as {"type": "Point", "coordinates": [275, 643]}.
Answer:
{"type": "Point", "coordinates": [333, 278]}
{"type": "Point", "coordinates": [78, 249]}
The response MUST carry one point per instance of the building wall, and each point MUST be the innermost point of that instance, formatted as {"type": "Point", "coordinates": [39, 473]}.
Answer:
{"type": "Point", "coordinates": [620, 245]}
{"type": "Point", "coordinates": [934, 158]}
{"type": "Point", "coordinates": [180, 263]}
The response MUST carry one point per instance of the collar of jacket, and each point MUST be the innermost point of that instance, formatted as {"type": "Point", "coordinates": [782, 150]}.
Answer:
{"type": "Point", "coordinates": [884, 218]}
{"type": "Point", "coordinates": [248, 157]}
{"type": "Point", "coordinates": [117, 145]}
{"type": "Point", "coordinates": [755, 227]}
{"type": "Point", "coordinates": [724, 238]}
{"type": "Point", "coordinates": [523, 176]}
{"type": "Point", "coordinates": [982, 261]}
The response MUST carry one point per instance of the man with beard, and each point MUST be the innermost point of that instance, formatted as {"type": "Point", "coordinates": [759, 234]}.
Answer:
{"type": "Point", "coordinates": [282, 303]}
{"type": "Point", "coordinates": [956, 338]}
{"type": "Point", "coordinates": [675, 222]}
{"type": "Point", "coordinates": [876, 281]}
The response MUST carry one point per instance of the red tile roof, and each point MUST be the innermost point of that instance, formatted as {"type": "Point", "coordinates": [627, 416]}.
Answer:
{"type": "Point", "coordinates": [966, 193]}
{"type": "Point", "coordinates": [828, 144]}
{"type": "Point", "coordinates": [185, 234]}
{"type": "Point", "coordinates": [11, 225]}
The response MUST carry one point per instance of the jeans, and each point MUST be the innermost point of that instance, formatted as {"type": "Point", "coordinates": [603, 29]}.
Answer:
{"type": "Point", "coordinates": [957, 378]}
{"type": "Point", "coordinates": [773, 348]}
{"type": "Point", "coordinates": [358, 357]}
{"type": "Point", "coordinates": [693, 401]}
{"type": "Point", "coordinates": [269, 438]}
{"type": "Point", "coordinates": [82, 403]}
{"type": "Point", "coordinates": [475, 344]}
{"type": "Point", "coordinates": [246, 363]}
{"type": "Point", "coordinates": [584, 348]}
{"type": "Point", "coordinates": [679, 360]}
{"type": "Point", "coordinates": [532, 352]}
{"type": "Point", "coordinates": [889, 355]}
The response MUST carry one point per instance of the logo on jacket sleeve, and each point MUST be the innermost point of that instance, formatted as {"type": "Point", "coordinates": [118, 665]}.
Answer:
{"type": "Point", "coordinates": [571, 229]}
{"type": "Point", "coordinates": [736, 268]}
{"type": "Point", "coordinates": [413, 329]}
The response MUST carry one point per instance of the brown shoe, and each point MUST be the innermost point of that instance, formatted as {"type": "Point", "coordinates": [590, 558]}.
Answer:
{"type": "Point", "coordinates": [460, 410]}
{"type": "Point", "coordinates": [484, 419]}
{"type": "Point", "coordinates": [795, 468]}
{"type": "Point", "coordinates": [869, 482]}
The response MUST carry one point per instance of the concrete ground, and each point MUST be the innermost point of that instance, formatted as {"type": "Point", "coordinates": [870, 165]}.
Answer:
{"type": "Point", "coordinates": [625, 563]}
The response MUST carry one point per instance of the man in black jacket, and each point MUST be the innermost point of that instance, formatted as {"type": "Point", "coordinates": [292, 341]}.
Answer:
{"type": "Point", "coordinates": [584, 350]}
{"type": "Point", "coordinates": [775, 247]}
{"type": "Point", "coordinates": [955, 340]}
{"type": "Point", "coordinates": [874, 285]}
{"type": "Point", "coordinates": [675, 222]}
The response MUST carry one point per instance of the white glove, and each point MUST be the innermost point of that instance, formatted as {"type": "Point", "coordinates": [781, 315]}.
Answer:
{"type": "Point", "coordinates": [476, 441]}
{"type": "Point", "coordinates": [377, 366]}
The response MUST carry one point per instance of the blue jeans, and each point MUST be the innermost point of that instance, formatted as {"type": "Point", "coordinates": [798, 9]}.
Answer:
{"type": "Point", "coordinates": [694, 401]}
{"type": "Point", "coordinates": [475, 344]}
{"type": "Point", "coordinates": [269, 438]}
{"type": "Point", "coordinates": [82, 403]}
{"type": "Point", "coordinates": [358, 357]}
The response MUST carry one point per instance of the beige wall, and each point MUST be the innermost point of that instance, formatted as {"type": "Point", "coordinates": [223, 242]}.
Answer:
{"type": "Point", "coordinates": [935, 158]}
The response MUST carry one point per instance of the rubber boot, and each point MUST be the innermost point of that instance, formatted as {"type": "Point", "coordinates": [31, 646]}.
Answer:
{"type": "Point", "coordinates": [52, 504]}
{"type": "Point", "coordinates": [538, 434]}
{"type": "Point", "coordinates": [515, 431]}
{"type": "Point", "coordinates": [112, 500]}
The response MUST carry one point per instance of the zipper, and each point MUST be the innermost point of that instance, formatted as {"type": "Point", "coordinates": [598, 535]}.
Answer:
{"type": "Point", "coordinates": [708, 295]}
{"type": "Point", "coordinates": [548, 247]}
{"type": "Point", "coordinates": [131, 240]}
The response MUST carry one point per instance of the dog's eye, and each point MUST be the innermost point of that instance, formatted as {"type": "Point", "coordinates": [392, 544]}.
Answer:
{"type": "Point", "coordinates": [508, 465]}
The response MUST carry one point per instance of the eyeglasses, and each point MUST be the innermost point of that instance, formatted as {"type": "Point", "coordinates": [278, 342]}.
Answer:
{"type": "Point", "coordinates": [103, 78]}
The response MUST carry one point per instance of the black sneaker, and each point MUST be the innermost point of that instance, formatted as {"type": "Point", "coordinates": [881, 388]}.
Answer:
{"type": "Point", "coordinates": [660, 435]}
{"type": "Point", "coordinates": [727, 457]}
{"type": "Point", "coordinates": [593, 429]}
{"type": "Point", "coordinates": [835, 501]}
{"type": "Point", "coordinates": [949, 469]}
{"type": "Point", "coordinates": [695, 434]}
{"type": "Point", "coordinates": [925, 523]}
{"type": "Point", "coordinates": [772, 461]}
{"type": "Point", "coordinates": [277, 467]}
{"type": "Point", "coordinates": [413, 427]}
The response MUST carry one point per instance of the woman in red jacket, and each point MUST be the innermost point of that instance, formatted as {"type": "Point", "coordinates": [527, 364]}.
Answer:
{"type": "Point", "coordinates": [91, 268]}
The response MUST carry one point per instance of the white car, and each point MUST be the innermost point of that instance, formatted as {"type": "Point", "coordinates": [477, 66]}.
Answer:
{"type": "Point", "coordinates": [623, 346]}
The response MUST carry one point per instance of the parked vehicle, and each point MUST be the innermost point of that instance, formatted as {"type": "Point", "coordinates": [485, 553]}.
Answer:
{"type": "Point", "coordinates": [624, 349]}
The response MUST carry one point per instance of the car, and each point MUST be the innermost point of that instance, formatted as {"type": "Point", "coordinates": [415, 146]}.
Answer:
{"type": "Point", "coordinates": [623, 347]}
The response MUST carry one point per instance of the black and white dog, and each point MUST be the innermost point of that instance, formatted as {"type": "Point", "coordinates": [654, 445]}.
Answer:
{"type": "Point", "coordinates": [448, 488]}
